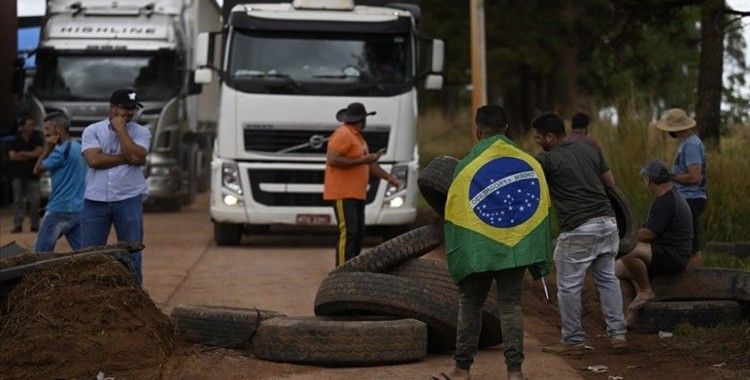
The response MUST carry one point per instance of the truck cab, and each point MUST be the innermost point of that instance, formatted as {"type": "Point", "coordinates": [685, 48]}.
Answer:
{"type": "Point", "coordinates": [287, 69]}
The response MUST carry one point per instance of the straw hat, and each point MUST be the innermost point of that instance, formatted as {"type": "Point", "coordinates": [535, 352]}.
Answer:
{"type": "Point", "coordinates": [675, 120]}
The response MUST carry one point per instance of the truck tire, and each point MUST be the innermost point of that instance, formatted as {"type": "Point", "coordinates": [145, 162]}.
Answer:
{"type": "Point", "coordinates": [626, 223]}
{"type": "Point", "coordinates": [219, 326]}
{"type": "Point", "coordinates": [435, 180]}
{"type": "Point", "coordinates": [169, 204]}
{"type": "Point", "coordinates": [191, 171]}
{"type": "Point", "coordinates": [664, 316]}
{"type": "Point", "coordinates": [385, 256]}
{"type": "Point", "coordinates": [434, 274]}
{"type": "Point", "coordinates": [359, 293]}
{"type": "Point", "coordinates": [704, 284]}
{"type": "Point", "coordinates": [337, 341]}
{"type": "Point", "coordinates": [227, 234]}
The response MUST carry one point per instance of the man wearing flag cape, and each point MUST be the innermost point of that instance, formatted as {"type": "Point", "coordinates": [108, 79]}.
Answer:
{"type": "Point", "coordinates": [497, 226]}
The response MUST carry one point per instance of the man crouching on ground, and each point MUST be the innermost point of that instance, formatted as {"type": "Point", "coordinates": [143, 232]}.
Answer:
{"type": "Point", "coordinates": [577, 177]}
{"type": "Point", "coordinates": [496, 226]}
{"type": "Point", "coordinates": [664, 243]}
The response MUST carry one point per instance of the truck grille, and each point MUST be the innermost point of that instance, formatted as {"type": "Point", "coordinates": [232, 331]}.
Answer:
{"type": "Point", "coordinates": [279, 141]}
{"type": "Point", "coordinates": [295, 176]}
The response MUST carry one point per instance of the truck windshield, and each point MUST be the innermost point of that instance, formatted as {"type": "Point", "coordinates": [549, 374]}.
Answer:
{"type": "Point", "coordinates": [93, 77]}
{"type": "Point", "coordinates": [320, 63]}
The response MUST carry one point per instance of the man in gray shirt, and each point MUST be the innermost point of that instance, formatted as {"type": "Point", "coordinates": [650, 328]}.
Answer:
{"type": "Point", "coordinates": [577, 175]}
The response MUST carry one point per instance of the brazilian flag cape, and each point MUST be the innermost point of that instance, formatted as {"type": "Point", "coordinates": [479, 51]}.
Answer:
{"type": "Point", "coordinates": [497, 215]}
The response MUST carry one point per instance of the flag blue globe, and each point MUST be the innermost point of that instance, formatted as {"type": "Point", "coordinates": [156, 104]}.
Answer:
{"type": "Point", "coordinates": [504, 192]}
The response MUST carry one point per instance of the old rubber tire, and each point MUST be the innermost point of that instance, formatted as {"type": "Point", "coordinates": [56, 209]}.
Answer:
{"type": "Point", "coordinates": [339, 341]}
{"type": "Point", "coordinates": [385, 256]}
{"type": "Point", "coordinates": [626, 222]}
{"type": "Point", "coordinates": [435, 180]}
{"type": "Point", "coordinates": [704, 284]}
{"type": "Point", "coordinates": [350, 293]}
{"type": "Point", "coordinates": [664, 316]}
{"type": "Point", "coordinates": [219, 326]}
{"type": "Point", "coordinates": [434, 274]}
{"type": "Point", "coordinates": [227, 234]}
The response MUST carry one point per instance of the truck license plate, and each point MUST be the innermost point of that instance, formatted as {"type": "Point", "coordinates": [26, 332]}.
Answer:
{"type": "Point", "coordinates": [313, 219]}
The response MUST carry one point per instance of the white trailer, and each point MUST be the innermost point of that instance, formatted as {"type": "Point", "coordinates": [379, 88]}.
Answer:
{"type": "Point", "coordinates": [286, 69]}
{"type": "Point", "coordinates": [89, 48]}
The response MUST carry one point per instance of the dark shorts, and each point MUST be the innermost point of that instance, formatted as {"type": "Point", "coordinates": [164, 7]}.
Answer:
{"type": "Point", "coordinates": [666, 261]}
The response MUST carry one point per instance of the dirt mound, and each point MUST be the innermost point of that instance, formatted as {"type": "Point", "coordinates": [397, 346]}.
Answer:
{"type": "Point", "coordinates": [80, 317]}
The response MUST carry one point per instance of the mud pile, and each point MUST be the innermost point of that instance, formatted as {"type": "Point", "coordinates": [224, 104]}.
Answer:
{"type": "Point", "coordinates": [80, 317]}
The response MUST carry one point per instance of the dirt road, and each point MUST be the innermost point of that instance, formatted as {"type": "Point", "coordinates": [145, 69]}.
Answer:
{"type": "Point", "coordinates": [278, 271]}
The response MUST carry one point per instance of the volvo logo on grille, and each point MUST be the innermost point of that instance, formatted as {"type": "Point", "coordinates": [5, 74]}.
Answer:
{"type": "Point", "coordinates": [316, 141]}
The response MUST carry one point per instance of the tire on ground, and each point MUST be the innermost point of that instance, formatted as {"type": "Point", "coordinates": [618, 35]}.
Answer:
{"type": "Point", "coordinates": [664, 316]}
{"type": "Point", "coordinates": [435, 180]}
{"type": "Point", "coordinates": [385, 256]}
{"type": "Point", "coordinates": [626, 222]}
{"type": "Point", "coordinates": [357, 293]}
{"type": "Point", "coordinates": [434, 274]}
{"type": "Point", "coordinates": [704, 284]}
{"type": "Point", "coordinates": [219, 326]}
{"type": "Point", "coordinates": [341, 341]}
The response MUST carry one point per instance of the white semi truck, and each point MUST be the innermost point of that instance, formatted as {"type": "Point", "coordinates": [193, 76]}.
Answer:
{"type": "Point", "coordinates": [286, 68]}
{"type": "Point", "coordinates": [89, 48]}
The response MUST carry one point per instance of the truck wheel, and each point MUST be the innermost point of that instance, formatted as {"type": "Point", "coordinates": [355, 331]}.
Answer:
{"type": "Point", "coordinates": [382, 294]}
{"type": "Point", "coordinates": [434, 274]}
{"type": "Point", "coordinates": [227, 234]}
{"type": "Point", "coordinates": [412, 244]}
{"type": "Point", "coordinates": [191, 171]}
{"type": "Point", "coordinates": [340, 341]}
{"type": "Point", "coordinates": [391, 232]}
{"type": "Point", "coordinates": [664, 316]}
{"type": "Point", "coordinates": [435, 180]}
{"type": "Point", "coordinates": [219, 326]}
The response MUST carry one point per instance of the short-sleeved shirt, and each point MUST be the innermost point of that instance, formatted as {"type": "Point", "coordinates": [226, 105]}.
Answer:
{"type": "Point", "coordinates": [68, 173]}
{"type": "Point", "coordinates": [573, 174]}
{"type": "Point", "coordinates": [585, 139]}
{"type": "Point", "coordinates": [690, 152]}
{"type": "Point", "coordinates": [670, 219]}
{"type": "Point", "coordinates": [349, 182]}
{"type": "Point", "coordinates": [24, 169]}
{"type": "Point", "coordinates": [120, 182]}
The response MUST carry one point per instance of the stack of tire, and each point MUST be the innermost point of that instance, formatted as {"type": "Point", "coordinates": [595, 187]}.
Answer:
{"type": "Point", "coordinates": [701, 297]}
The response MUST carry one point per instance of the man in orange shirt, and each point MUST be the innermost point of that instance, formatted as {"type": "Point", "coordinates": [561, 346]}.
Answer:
{"type": "Point", "coordinates": [349, 165]}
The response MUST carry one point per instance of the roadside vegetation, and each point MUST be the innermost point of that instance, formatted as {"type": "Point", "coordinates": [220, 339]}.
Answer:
{"type": "Point", "coordinates": [627, 147]}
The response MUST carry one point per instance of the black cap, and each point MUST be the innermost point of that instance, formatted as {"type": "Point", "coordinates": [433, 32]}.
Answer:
{"type": "Point", "coordinates": [125, 98]}
{"type": "Point", "coordinates": [353, 113]}
{"type": "Point", "coordinates": [657, 171]}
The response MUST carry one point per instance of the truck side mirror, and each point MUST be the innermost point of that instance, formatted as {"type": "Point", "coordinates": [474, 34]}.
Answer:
{"type": "Point", "coordinates": [433, 82]}
{"type": "Point", "coordinates": [194, 88]}
{"type": "Point", "coordinates": [437, 57]}
{"type": "Point", "coordinates": [202, 49]}
{"type": "Point", "coordinates": [202, 76]}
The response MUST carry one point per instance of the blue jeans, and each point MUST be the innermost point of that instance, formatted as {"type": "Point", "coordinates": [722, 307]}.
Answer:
{"type": "Point", "coordinates": [56, 224]}
{"type": "Point", "coordinates": [593, 244]}
{"type": "Point", "coordinates": [127, 217]}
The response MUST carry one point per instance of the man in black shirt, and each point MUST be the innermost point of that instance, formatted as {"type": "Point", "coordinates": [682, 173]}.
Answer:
{"type": "Point", "coordinates": [23, 152]}
{"type": "Point", "coordinates": [664, 243]}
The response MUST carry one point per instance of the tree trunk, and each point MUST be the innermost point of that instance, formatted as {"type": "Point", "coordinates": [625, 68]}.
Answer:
{"type": "Point", "coordinates": [708, 109]}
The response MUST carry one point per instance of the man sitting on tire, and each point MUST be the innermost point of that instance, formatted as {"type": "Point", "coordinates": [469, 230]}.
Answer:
{"type": "Point", "coordinates": [496, 226]}
{"type": "Point", "coordinates": [664, 243]}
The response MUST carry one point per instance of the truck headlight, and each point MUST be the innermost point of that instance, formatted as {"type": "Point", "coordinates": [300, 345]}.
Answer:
{"type": "Point", "coordinates": [160, 171]}
{"type": "Point", "coordinates": [230, 177]}
{"type": "Point", "coordinates": [395, 197]}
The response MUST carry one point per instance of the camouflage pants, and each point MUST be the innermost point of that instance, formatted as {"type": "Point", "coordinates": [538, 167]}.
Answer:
{"type": "Point", "coordinates": [472, 294]}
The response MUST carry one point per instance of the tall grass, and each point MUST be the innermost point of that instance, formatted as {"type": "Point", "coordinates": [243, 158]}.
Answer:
{"type": "Point", "coordinates": [627, 147]}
